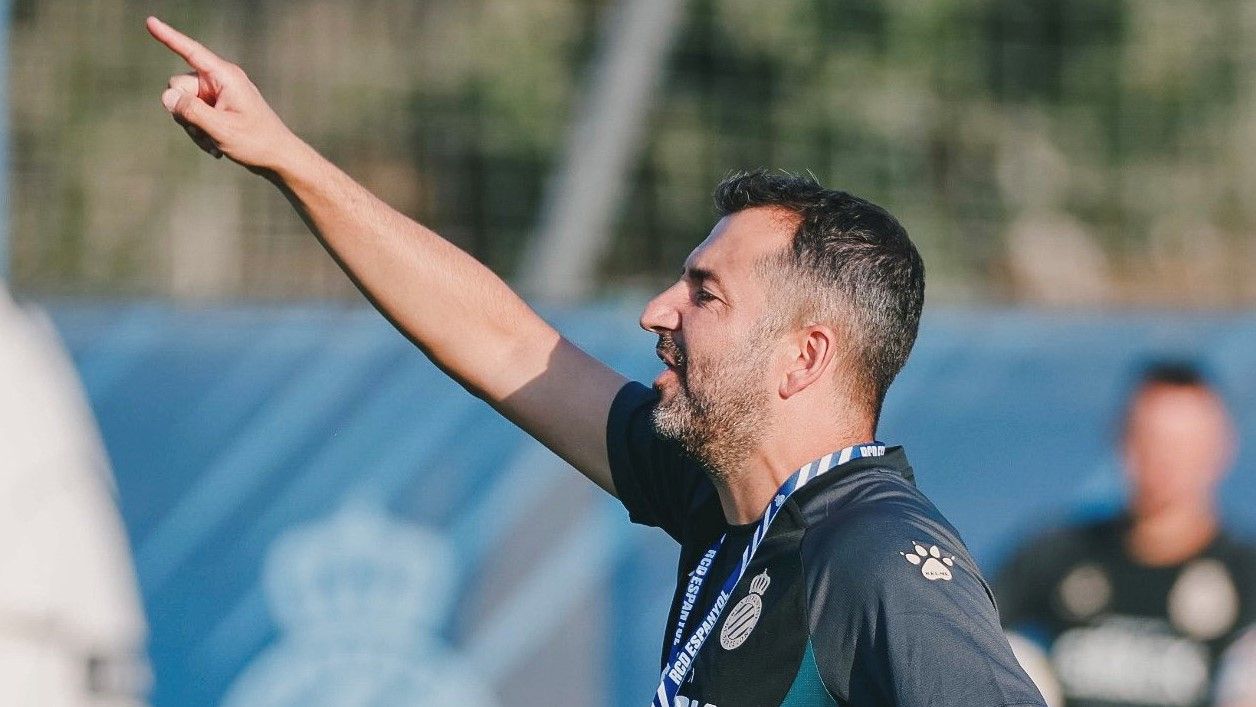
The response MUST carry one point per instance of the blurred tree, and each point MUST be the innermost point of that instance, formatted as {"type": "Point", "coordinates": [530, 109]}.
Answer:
{"type": "Point", "coordinates": [1109, 133]}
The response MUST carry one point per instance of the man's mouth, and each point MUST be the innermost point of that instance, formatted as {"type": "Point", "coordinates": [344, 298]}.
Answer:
{"type": "Point", "coordinates": [670, 354]}
{"type": "Point", "coordinates": [666, 359]}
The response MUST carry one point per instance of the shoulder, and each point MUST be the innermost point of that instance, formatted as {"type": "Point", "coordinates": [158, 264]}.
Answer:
{"type": "Point", "coordinates": [869, 512]}
{"type": "Point", "coordinates": [883, 535]}
{"type": "Point", "coordinates": [630, 404]}
{"type": "Point", "coordinates": [1060, 547]}
{"type": "Point", "coordinates": [895, 604]}
{"type": "Point", "coordinates": [656, 481]}
{"type": "Point", "coordinates": [1079, 536]}
{"type": "Point", "coordinates": [1236, 550]}
{"type": "Point", "coordinates": [1239, 558]}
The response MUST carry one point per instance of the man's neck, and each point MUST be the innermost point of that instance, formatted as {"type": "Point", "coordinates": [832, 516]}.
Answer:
{"type": "Point", "coordinates": [746, 493]}
{"type": "Point", "coordinates": [1171, 536]}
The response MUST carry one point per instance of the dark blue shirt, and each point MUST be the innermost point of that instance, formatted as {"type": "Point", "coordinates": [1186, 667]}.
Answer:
{"type": "Point", "coordinates": [861, 593]}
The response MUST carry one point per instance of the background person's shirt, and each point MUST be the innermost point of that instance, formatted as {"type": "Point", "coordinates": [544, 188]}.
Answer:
{"type": "Point", "coordinates": [860, 594]}
{"type": "Point", "coordinates": [1119, 633]}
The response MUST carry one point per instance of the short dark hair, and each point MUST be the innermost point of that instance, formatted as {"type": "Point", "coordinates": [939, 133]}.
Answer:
{"type": "Point", "coordinates": [850, 254]}
{"type": "Point", "coordinates": [1171, 372]}
{"type": "Point", "coordinates": [1176, 372]}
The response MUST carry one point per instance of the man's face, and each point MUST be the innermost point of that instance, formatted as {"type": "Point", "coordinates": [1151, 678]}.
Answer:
{"type": "Point", "coordinates": [717, 338]}
{"type": "Point", "coordinates": [1179, 442]}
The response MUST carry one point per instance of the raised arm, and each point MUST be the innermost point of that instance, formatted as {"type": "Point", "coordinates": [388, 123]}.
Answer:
{"type": "Point", "coordinates": [465, 318]}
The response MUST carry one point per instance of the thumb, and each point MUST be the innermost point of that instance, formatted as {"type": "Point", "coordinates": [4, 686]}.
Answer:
{"type": "Point", "coordinates": [189, 108]}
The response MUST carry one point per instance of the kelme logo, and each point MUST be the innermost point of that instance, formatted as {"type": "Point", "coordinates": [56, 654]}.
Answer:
{"type": "Point", "coordinates": [933, 563]}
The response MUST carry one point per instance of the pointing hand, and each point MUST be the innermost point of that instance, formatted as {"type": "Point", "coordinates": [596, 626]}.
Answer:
{"type": "Point", "coordinates": [219, 107]}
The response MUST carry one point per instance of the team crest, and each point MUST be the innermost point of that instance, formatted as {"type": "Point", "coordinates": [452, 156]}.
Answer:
{"type": "Point", "coordinates": [745, 615]}
{"type": "Point", "coordinates": [933, 563]}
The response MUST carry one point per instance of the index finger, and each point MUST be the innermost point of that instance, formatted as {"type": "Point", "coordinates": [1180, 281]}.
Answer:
{"type": "Point", "coordinates": [192, 51]}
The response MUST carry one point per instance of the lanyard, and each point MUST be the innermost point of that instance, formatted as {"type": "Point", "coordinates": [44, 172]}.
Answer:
{"type": "Point", "coordinates": [683, 652]}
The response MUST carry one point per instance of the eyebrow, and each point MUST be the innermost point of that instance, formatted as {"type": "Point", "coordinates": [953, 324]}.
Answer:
{"type": "Point", "coordinates": [701, 277]}
{"type": "Point", "coordinates": [700, 274]}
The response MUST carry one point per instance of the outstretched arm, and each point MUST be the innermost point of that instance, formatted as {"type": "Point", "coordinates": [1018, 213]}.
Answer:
{"type": "Point", "coordinates": [465, 318]}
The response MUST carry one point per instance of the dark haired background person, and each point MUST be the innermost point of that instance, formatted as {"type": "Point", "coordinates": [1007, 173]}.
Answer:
{"type": "Point", "coordinates": [812, 571]}
{"type": "Point", "coordinates": [1149, 608]}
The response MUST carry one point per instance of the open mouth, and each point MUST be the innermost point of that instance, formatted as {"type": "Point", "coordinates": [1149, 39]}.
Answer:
{"type": "Point", "coordinates": [672, 362]}
{"type": "Point", "coordinates": [670, 354]}
{"type": "Point", "coordinates": [667, 360]}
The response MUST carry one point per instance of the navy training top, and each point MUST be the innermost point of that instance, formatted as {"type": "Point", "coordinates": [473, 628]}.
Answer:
{"type": "Point", "coordinates": [861, 593]}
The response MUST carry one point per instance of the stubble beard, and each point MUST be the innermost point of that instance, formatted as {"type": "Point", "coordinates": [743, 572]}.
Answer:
{"type": "Point", "coordinates": [717, 416]}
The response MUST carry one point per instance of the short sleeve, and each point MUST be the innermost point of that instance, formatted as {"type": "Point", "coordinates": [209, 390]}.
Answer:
{"type": "Point", "coordinates": [900, 615]}
{"type": "Point", "coordinates": [654, 479]}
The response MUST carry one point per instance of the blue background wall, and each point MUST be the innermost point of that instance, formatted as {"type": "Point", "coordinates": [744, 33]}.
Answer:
{"type": "Point", "coordinates": [228, 427]}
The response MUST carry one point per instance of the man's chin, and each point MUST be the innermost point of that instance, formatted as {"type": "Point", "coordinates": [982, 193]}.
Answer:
{"type": "Point", "coordinates": [668, 393]}
{"type": "Point", "coordinates": [669, 416]}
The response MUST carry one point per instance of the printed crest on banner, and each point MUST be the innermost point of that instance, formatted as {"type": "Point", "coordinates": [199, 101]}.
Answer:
{"type": "Point", "coordinates": [359, 599]}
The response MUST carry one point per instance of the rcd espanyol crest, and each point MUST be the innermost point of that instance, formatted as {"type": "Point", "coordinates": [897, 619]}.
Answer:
{"type": "Point", "coordinates": [742, 619]}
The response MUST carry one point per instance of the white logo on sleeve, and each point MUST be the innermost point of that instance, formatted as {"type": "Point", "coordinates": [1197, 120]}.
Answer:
{"type": "Point", "coordinates": [933, 564]}
{"type": "Point", "coordinates": [743, 618]}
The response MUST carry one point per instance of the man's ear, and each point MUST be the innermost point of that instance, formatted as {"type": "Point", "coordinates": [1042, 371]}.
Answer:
{"type": "Point", "coordinates": [813, 353]}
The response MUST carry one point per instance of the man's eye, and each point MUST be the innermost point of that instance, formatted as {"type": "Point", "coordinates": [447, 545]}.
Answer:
{"type": "Point", "coordinates": [703, 296]}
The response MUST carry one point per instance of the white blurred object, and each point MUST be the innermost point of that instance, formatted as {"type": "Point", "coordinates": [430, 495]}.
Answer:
{"type": "Point", "coordinates": [1236, 677]}
{"type": "Point", "coordinates": [72, 629]}
{"type": "Point", "coordinates": [1038, 666]}
{"type": "Point", "coordinates": [603, 147]}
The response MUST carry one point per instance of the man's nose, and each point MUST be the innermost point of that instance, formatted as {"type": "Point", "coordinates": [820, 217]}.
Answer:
{"type": "Point", "coordinates": [660, 314]}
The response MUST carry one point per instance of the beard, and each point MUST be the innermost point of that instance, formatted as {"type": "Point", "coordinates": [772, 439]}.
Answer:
{"type": "Point", "coordinates": [716, 413]}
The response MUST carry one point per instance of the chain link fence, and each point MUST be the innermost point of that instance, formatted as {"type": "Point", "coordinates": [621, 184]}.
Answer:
{"type": "Point", "coordinates": [1059, 152]}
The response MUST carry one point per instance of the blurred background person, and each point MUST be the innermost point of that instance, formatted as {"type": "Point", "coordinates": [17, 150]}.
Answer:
{"type": "Point", "coordinates": [72, 630]}
{"type": "Point", "coordinates": [1156, 605]}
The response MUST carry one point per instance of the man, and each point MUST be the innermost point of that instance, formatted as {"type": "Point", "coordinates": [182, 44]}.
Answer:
{"type": "Point", "coordinates": [779, 339]}
{"type": "Point", "coordinates": [1148, 608]}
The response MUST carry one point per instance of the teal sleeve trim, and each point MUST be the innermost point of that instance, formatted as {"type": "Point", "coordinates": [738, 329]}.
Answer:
{"type": "Point", "coordinates": [808, 690]}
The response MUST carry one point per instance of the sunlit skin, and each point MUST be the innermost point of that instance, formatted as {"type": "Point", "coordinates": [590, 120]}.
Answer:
{"type": "Point", "coordinates": [721, 301]}
{"type": "Point", "coordinates": [503, 351]}
{"type": "Point", "coordinates": [1179, 443]}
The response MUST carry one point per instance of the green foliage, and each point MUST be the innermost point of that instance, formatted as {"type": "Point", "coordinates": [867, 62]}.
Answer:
{"type": "Point", "coordinates": [987, 126]}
